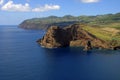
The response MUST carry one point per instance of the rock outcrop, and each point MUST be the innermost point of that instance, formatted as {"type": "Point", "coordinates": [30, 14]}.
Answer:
{"type": "Point", "coordinates": [55, 37]}
{"type": "Point", "coordinates": [73, 35]}
{"type": "Point", "coordinates": [116, 48]}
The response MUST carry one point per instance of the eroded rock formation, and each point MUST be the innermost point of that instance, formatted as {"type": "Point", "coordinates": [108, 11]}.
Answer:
{"type": "Point", "coordinates": [73, 35]}
{"type": "Point", "coordinates": [55, 37]}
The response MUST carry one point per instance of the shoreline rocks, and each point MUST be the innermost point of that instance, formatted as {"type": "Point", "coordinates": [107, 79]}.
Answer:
{"type": "Point", "coordinates": [116, 48]}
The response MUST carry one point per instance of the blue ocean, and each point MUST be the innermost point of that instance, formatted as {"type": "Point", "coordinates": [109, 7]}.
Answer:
{"type": "Point", "coordinates": [21, 58]}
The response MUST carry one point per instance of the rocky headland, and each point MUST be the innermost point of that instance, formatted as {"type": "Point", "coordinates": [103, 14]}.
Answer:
{"type": "Point", "coordinates": [98, 31]}
{"type": "Point", "coordinates": [73, 35]}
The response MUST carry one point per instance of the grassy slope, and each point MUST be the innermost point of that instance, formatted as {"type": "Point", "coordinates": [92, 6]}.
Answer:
{"type": "Point", "coordinates": [108, 32]}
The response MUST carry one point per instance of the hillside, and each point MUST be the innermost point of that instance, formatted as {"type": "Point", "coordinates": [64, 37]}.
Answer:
{"type": "Point", "coordinates": [98, 20]}
{"type": "Point", "coordinates": [109, 33]}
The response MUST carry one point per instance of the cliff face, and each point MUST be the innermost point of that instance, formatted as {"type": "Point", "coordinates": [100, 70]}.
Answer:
{"type": "Point", "coordinates": [33, 25]}
{"type": "Point", "coordinates": [80, 37]}
{"type": "Point", "coordinates": [73, 35]}
{"type": "Point", "coordinates": [55, 37]}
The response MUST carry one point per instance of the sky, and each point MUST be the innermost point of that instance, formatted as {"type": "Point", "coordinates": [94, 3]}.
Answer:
{"type": "Point", "coordinates": [13, 12]}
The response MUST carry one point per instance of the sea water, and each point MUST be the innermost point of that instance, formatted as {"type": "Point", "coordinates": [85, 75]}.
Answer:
{"type": "Point", "coordinates": [21, 58]}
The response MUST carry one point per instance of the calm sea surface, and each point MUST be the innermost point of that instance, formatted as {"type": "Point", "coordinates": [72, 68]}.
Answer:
{"type": "Point", "coordinates": [21, 58]}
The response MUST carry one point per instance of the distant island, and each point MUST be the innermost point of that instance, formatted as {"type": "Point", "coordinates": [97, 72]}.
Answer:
{"type": "Point", "coordinates": [101, 31]}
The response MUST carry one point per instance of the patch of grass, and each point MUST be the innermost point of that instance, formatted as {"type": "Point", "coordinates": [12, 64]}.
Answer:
{"type": "Point", "coordinates": [98, 32]}
{"type": "Point", "coordinates": [108, 34]}
{"type": "Point", "coordinates": [112, 25]}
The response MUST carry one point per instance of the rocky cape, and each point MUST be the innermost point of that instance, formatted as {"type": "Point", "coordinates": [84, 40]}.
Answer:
{"type": "Point", "coordinates": [73, 35]}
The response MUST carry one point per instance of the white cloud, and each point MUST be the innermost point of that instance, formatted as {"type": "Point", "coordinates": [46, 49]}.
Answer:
{"type": "Point", "coordinates": [1, 2]}
{"type": "Point", "coordinates": [89, 1]}
{"type": "Point", "coordinates": [46, 8]}
{"type": "Point", "coordinates": [10, 6]}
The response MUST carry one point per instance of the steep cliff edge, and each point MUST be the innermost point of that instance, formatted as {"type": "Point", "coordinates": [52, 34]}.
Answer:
{"type": "Point", "coordinates": [73, 35]}
{"type": "Point", "coordinates": [55, 37]}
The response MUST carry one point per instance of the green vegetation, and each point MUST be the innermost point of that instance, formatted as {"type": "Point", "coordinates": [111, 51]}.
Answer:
{"type": "Point", "coordinates": [111, 20]}
{"type": "Point", "coordinates": [108, 34]}
{"type": "Point", "coordinates": [105, 27]}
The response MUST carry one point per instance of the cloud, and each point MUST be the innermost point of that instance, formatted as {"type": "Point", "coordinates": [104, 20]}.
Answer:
{"type": "Point", "coordinates": [46, 8]}
{"type": "Point", "coordinates": [1, 2]}
{"type": "Point", "coordinates": [90, 1]}
{"type": "Point", "coordinates": [11, 6]}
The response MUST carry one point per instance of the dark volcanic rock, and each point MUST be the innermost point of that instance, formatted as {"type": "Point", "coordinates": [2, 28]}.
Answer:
{"type": "Point", "coordinates": [73, 35]}
{"type": "Point", "coordinates": [55, 37]}
{"type": "Point", "coordinates": [81, 37]}
{"type": "Point", "coordinates": [116, 48]}
{"type": "Point", "coordinates": [88, 46]}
